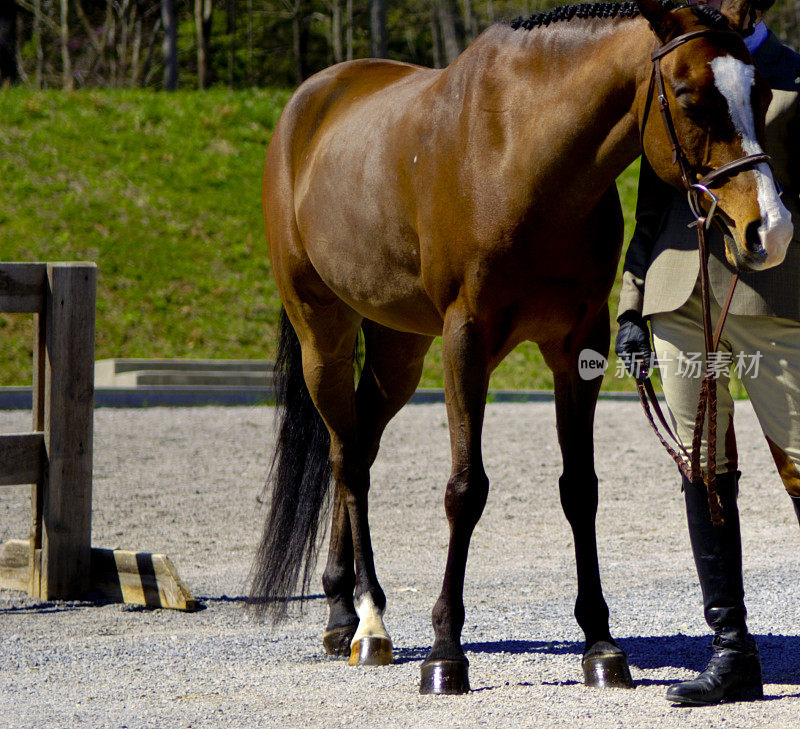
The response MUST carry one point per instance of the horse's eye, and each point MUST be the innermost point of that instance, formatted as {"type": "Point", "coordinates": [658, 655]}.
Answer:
{"type": "Point", "coordinates": [694, 110]}
{"type": "Point", "coordinates": [688, 100]}
{"type": "Point", "coordinates": [683, 93]}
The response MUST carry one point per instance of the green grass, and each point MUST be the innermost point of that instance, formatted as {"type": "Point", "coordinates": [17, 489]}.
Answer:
{"type": "Point", "coordinates": [162, 191]}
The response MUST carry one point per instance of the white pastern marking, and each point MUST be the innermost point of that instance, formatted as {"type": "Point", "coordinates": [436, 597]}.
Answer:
{"type": "Point", "coordinates": [370, 620]}
{"type": "Point", "coordinates": [735, 80]}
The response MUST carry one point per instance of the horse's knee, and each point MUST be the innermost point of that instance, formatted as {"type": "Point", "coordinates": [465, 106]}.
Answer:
{"type": "Point", "coordinates": [466, 496]}
{"type": "Point", "coordinates": [578, 492]}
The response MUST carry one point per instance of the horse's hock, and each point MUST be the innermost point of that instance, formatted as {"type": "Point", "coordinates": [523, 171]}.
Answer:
{"type": "Point", "coordinates": [57, 561]}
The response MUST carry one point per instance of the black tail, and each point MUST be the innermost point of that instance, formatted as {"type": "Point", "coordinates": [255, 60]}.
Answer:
{"type": "Point", "coordinates": [300, 477]}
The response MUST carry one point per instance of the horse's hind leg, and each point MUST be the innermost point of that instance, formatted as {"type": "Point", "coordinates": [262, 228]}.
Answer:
{"type": "Point", "coordinates": [338, 581]}
{"type": "Point", "coordinates": [392, 368]}
{"type": "Point", "coordinates": [604, 663]}
{"type": "Point", "coordinates": [327, 340]}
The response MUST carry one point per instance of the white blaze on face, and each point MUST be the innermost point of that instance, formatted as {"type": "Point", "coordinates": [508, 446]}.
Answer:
{"type": "Point", "coordinates": [735, 80]}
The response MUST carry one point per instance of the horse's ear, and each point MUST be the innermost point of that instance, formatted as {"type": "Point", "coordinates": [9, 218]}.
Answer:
{"type": "Point", "coordinates": [661, 20]}
{"type": "Point", "coordinates": [737, 12]}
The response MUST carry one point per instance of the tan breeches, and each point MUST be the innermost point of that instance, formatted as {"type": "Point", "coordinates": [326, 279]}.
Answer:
{"type": "Point", "coordinates": [765, 351]}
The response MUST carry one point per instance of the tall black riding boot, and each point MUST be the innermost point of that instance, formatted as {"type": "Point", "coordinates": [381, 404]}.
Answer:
{"type": "Point", "coordinates": [734, 671]}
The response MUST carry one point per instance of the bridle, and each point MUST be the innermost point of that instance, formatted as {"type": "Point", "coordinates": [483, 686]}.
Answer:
{"type": "Point", "coordinates": [678, 156]}
{"type": "Point", "coordinates": [689, 463]}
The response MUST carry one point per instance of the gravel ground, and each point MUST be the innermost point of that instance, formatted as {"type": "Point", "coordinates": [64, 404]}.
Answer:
{"type": "Point", "coordinates": [185, 481]}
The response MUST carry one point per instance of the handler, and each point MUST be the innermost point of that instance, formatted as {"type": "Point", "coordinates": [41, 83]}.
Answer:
{"type": "Point", "coordinates": [761, 339]}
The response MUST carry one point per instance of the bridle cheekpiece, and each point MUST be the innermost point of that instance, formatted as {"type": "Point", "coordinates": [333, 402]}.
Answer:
{"type": "Point", "coordinates": [689, 463]}
{"type": "Point", "coordinates": [693, 189]}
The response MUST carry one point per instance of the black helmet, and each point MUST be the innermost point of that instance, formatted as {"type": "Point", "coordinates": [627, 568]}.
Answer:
{"type": "Point", "coordinates": [762, 5]}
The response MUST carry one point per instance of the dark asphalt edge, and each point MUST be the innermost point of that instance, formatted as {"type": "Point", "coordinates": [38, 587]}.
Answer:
{"type": "Point", "coordinates": [21, 398]}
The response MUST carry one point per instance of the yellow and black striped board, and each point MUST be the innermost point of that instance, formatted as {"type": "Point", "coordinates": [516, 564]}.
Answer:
{"type": "Point", "coordinates": [118, 575]}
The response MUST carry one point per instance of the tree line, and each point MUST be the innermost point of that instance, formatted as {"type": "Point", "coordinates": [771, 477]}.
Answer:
{"type": "Point", "coordinates": [241, 43]}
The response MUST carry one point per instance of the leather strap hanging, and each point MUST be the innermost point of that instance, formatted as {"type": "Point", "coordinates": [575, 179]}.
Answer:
{"type": "Point", "coordinates": [689, 463]}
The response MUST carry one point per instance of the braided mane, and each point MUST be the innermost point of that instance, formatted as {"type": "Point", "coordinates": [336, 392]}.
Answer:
{"type": "Point", "coordinates": [711, 17]}
{"type": "Point", "coordinates": [565, 13]}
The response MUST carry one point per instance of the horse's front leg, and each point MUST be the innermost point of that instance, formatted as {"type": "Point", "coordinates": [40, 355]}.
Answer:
{"type": "Point", "coordinates": [604, 663]}
{"type": "Point", "coordinates": [445, 671]}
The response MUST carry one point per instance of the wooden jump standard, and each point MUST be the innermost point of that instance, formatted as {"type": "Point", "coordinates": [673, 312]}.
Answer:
{"type": "Point", "coordinates": [58, 562]}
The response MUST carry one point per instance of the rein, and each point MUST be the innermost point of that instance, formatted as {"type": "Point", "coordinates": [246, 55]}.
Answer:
{"type": "Point", "coordinates": [689, 463]}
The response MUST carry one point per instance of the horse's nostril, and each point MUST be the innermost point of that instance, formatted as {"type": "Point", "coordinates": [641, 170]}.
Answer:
{"type": "Point", "coordinates": [752, 238]}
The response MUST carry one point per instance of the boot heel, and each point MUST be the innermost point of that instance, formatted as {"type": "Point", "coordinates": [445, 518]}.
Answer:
{"type": "Point", "coordinates": [751, 684]}
{"type": "Point", "coordinates": [746, 693]}
{"type": "Point", "coordinates": [750, 688]}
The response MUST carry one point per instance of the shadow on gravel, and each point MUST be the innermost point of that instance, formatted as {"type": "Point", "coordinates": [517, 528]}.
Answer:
{"type": "Point", "coordinates": [205, 601]}
{"type": "Point", "coordinates": [202, 603]}
{"type": "Point", "coordinates": [780, 654]}
{"type": "Point", "coordinates": [409, 655]}
{"type": "Point", "coordinates": [513, 647]}
{"type": "Point", "coordinates": [43, 608]}
{"type": "Point", "coordinates": [556, 647]}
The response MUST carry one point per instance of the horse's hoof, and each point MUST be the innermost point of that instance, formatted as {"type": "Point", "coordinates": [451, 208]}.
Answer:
{"type": "Point", "coordinates": [444, 676]}
{"type": "Point", "coordinates": [371, 651]}
{"type": "Point", "coordinates": [606, 666]}
{"type": "Point", "coordinates": [337, 640]}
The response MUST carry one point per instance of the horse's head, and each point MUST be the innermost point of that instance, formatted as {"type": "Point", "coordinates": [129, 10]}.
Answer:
{"type": "Point", "coordinates": [717, 104]}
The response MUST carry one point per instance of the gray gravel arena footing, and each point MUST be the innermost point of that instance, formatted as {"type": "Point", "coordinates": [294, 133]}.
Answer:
{"type": "Point", "coordinates": [185, 482]}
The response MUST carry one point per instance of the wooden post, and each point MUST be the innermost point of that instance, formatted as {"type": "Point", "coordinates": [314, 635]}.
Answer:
{"type": "Point", "coordinates": [37, 486]}
{"type": "Point", "coordinates": [57, 562]}
{"type": "Point", "coordinates": [66, 488]}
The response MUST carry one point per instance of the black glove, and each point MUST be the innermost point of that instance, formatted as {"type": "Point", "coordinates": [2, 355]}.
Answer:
{"type": "Point", "coordinates": [633, 344]}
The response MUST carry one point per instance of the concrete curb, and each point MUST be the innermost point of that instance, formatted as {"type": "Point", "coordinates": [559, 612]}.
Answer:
{"type": "Point", "coordinates": [21, 398]}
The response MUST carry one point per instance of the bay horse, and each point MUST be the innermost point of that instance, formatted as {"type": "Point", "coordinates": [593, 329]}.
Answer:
{"type": "Point", "coordinates": [478, 203]}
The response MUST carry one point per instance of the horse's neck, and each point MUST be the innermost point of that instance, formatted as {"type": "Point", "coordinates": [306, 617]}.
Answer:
{"type": "Point", "coordinates": [579, 83]}
{"type": "Point", "coordinates": [612, 67]}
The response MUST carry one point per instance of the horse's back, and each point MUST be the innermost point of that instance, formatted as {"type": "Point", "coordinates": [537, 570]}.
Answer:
{"type": "Point", "coordinates": [333, 94]}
